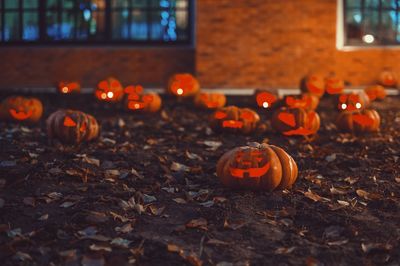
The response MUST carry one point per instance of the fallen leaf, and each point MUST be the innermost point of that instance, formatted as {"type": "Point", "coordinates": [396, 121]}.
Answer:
{"type": "Point", "coordinates": [366, 195]}
{"type": "Point", "coordinates": [126, 228]}
{"type": "Point", "coordinates": [67, 204]}
{"type": "Point", "coordinates": [213, 145]}
{"type": "Point", "coordinates": [367, 248]}
{"type": "Point", "coordinates": [178, 167]}
{"type": "Point", "coordinates": [284, 250]}
{"type": "Point", "coordinates": [29, 201]}
{"type": "Point", "coordinates": [173, 248]}
{"type": "Point", "coordinates": [156, 210]}
{"type": "Point", "coordinates": [93, 260]}
{"type": "Point", "coordinates": [112, 173]}
{"type": "Point", "coordinates": [116, 216]}
{"type": "Point", "coordinates": [200, 223]}
{"type": "Point", "coordinates": [343, 203]}
{"type": "Point", "coordinates": [121, 242]}
{"type": "Point", "coordinates": [180, 200]}
{"type": "Point", "coordinates": [95, 247]}
{"type": "Point", "coordinates": [148, 199]}
{"type": "Point", "coordinates": [22, 256]}
{"type": "Point", "coordinates": [234, 225]}
{"type": "Point", "coordinates": [88, 231]}
{"type": "Point", "coordinates": [96, 217]}
{"type": "Point", "coordinates": [44, 217]}
{"type": "Point", "coordinates": [193, 156]}
{"type": "Point", "coordinates": [315, 197]}
{"type": "Point", "coordinates": [330, 158]}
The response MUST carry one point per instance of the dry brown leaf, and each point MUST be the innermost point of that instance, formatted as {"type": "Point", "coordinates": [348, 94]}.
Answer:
{"type": "Point", "coordinates": [234, 225]}
{"type": "Point", "coordinates": [315, 197]}
{"type": "Point", "coordinates": [200, 223]}
{"type": "Point", "coordinates": [29, 201]}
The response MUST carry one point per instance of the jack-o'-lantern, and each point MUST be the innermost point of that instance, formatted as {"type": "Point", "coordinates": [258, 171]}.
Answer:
{"type": "Point", "coordinates": [183, 85]}
{"type": "Point", "coordinates": [235, 120]}
{"type": "Point", "coordinates": [353, 101]}
{"type": "Point", "coordinates": [21, 109]}
{"type": "Point", "coordinates": [376, 92]}
{"type": "Point", "coordinates": [72, 127]}
{"type": "Point", "coordinates": [65, 87]}
{"type": "Point", "coordinates": [359, 121]}
{"type": "Point", "coordinates": [210, 100]}
{"type": "Point", "coordinates": [388, 78]}
{"type": "Point", "coordinates": [306, 101]}
{"type": "Point", "coordinates": [295, 121]}
{"type": "Point", "coordinates": [109, 90]}
{"type": "Point", "coordinates": [257, 167]}
{"type": "Point", "coordinates": [265, 99]}
{"type": "Point", "coordinates": [138, 101]}
{"type": "Point", "coordinates": [313, 83]}
{"type": "Point", "coordinates": [334, 85]}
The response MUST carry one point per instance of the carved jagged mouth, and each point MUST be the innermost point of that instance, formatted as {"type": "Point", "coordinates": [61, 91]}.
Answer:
{"type": "Point", "coordinates": [135, 105]}
{"type": "Point", "coordinates": [212, 104]}
{"type": "Point", "coordinates": [20, 115]}
{"type": "Point", "coordinates": [250, 172]}
{"type": "Point", "coordinates": [300, 131]}
{"type": "Point", "coordinates": [363, 120]}
{"type": "Point", "coordinates": [232, 124]}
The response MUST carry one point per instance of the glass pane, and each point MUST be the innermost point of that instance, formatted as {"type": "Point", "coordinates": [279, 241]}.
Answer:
{"type": "Point", "coordinates": [30, 26]}
{"type": "Point", "coordinates": [140, 3]}
{"type": "Point", "coordinates": [120, 3]}
{"type": "Point", "coordinates": [97, 27]}
{"type": "Point", "coordinates": [389, 3]}
{"type": "Point", "coordinates": [11, 26]}
{"type": "Point", "coordinates": [52, 4]}
{"type": "Point", "coordinates": [30, 4]}
{"type": "Point", "coordinates": [353, 3]}
{"type": "Point", "coordinates": [11, 4]}
{"type": "Point", "coordinates": [120, 24]}
{"type": "Point", "coordinates": [68, 4]}
{"type": "Point", "coordinates": [388, 29]}
{"type": "Point", "coordinates": [182, 23]}
{"type": "Point", "coordinates": [53, 28]}
{"type": "Point", "coordinates": [163, 26]}
{"type": "Point", "coordinates": [372, 3]}
{"type": "Point", "coordinates": [68, 24]}
{"type": "Point", "coordinates": [139, 28]}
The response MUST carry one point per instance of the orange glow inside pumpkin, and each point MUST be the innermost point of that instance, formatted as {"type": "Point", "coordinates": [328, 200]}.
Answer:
{"type": "Point", "coordinates": [210, 104]}
{"type": "Point", "coordinates": [303, 102]}
{"type": "Point", "coordinates": [289, 119]}
{"type": "Point", "coordinates": [108, 92]}
{"type": "Point", "coordinates": [21, 113]}
{"type": "Point", "coordinates": [265, 99]}
{"type": "Point", "coordinates": [353, 102]}
{"type": "Point", "coordinates": [249, 172]}
{"type": "Point", "coordinates": [313, 86]}
{"type": "Point", "coordinates": [68, 122]}
{"type": "Point", "coordinates": [70, 87]}
{"type": "Point", "coordinates": [182, 84]}
{"type": "Point", "coordinates": [134, 97]}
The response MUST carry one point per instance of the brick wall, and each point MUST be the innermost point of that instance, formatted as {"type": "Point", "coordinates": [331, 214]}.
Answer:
{"type": "Point", "coordinates": [43, 67]}
{"type": "Point", "coordinates": [262, 43]}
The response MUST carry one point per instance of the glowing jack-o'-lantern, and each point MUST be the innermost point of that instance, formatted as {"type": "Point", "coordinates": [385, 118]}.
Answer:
{"type": "Point", "coordinates": [376, 92]}
{"type": "Point", "coordinates": [313, 83]}
{"type": "Point", "coordinates": [306, 101]}
{"type": "Point", "coordinates": [234, 119]}
{"type": "Point", "coordinates": [257, 167]}
{"type": "Point", "coordinates": [183, 85]}
{"type": "Point", "coordinates": [359, 121]}
{"type": "Point", "coordinates": [210, 100]}
{"type": "Point", "coordinates": [72, 127]}
{"type": "Point", "coordinates": [388, 78]}
{"type": "Point", "coordinates": [353, 101]}
{"type": "Point", "coordinates": [295, 121]}
{"type": "Point", "coordinates": [138, 101]}
{"type": "Point", "coordinates": [69, 87]}
{"type": "Point", "coordinates": [109, 90]}
{"type": "Point", "coordinates": [334, 85]}
{"type": "Point", "coordinates": [21, 109]}
{"type": "Point", "coordinates": [265, 99]}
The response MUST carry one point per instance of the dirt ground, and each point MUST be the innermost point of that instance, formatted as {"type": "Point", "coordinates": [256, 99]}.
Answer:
{"type": "Point", "coordinates": [146, 193]}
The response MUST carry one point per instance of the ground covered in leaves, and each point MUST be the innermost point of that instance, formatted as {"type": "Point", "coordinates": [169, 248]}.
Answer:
{"type": "Point", "coordinates": [146, 192]}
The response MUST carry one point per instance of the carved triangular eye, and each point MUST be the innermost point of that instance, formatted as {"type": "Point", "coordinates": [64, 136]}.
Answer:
{"type": "Point", "coordinates": [287, 118]}
{"type": "Point", "coordinates": [148, 98]}
{"type": "Point", "coordinates": [139, 89]}
{"type": "Point", "coordinates": [103, 85]}
{"type": "Point", "coordinates": [68, 122]}
{"type": "Point", "coordinates": [220, 115]}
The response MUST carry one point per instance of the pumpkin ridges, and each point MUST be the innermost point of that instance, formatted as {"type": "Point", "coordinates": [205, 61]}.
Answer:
{"type": "Point", "coordinates": [268, 182]}
{"type": "Point", "coordinates": [289, 168]}
{"type": "Point", "coordinates": [345, 121]}
{"type": "Point", "coordinates": [218, 98]}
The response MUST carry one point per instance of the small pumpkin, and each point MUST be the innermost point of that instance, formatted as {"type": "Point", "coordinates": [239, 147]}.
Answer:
{"type": "Point", "coordinates": [295, 121]}
{"type": "Point", "coordinates": [353, 101]}
{"type": "Point", "coordinates": [183, 85]}
{"type": "Point", "coordinates": [257, 167]}
{"type": "Point", "coordinates": [109, 90]}
{"type": "Point", "coordinates": [72, 127]}
{"type": "Point", "coordinates": [360, 121]}
{"type": "Point", "coordinates": [138, 101]}
{"type": "Point", "coordinates": [334, 85]}
{"type": "Point", "coordinates": [235, 120]}
{"type": "Point", "coordinates": [265, 99]}
{"type": "Point", "coordinates": [22, 109]}
{"type": "Point", "coordinates": [313, 83]}
{"type": "Point", "coordinates": [65, 87]}
{"type": "Point", "coordinates": [209, 100]}
{"type": "Point", "coordinates": [388, 78]}
{"type": "Point", "coordinates": [376, 92]}
{"type": "Point", "coordinates": [306, 101]}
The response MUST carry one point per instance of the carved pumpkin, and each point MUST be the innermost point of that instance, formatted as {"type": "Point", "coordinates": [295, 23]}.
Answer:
{"type": "Point", "coordinates": [376, 92]}
{"type": "Point", "coordinates": [22, 109]}
{"type": "Point", "coordinates": [388, 78]}
{"type": "Point", "coordinates": [359, 121]}
{"type": "Point", "coordinates": [334, 85]}
{"type": "Point", "coordinates": [313, 83]}
{"type": "Point", "coordinates": [109, 90]}
{"type": "Point", "coordinates": [72, 127]}
{"type": "Point", "coordinates": [265, 99]}
{"type": "Point", "coordinates": [183, 85]}
{"type": "Point", "coordinates": [210, 100]}
{"type": "Point", "coordinates": [138, 101]}
{"type": "Point", "coordinates": [234, 119]}
{"type": "Point", "coordinates": [306, 101]}
{"type": "Point", "coordinates": [257, 167]}
{"type": "Point", "coordinates": [69, 87]}
{"type": "Point", "coordinates": [353, 101]}
{"type": "Point", "coordinates": [295, 121]}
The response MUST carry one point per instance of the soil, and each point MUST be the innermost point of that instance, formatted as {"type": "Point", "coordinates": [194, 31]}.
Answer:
{"type": "Point", "coordinates": [146, 193]}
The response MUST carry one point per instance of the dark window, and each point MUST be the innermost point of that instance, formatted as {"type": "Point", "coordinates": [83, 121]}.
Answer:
{"type": "Point", "coordinates": [96, 21]}
{"type": "Point", "coordinates": [371, 22]}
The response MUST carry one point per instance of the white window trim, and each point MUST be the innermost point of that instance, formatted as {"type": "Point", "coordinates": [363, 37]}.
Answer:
{"type": "Point", "coordinates": [340, 34]}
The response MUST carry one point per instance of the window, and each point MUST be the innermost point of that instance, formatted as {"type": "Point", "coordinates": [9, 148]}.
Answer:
{"type": "Point", "coordinates": [371, 22]}
{"type": "Point", "coordinates": [96, 21]}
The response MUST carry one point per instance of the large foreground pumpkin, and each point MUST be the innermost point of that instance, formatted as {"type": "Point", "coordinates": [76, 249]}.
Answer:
{"type": "Point", "coordinates": [257, 167]}
{"type": "Point", "coordinates": [360, 121]}
{"type": "Point", "coordinates": [72, 127]}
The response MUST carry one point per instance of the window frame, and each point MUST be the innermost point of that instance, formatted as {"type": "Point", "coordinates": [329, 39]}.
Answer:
{"type": "Point", "coordinates": [341, 33]}
{"type": "Point", "coordinates": [107, 41]}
